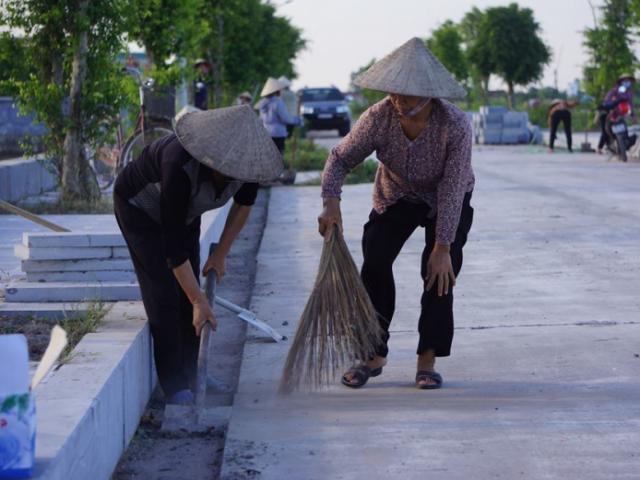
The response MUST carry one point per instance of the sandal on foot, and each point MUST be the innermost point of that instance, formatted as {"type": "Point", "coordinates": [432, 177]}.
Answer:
{"type": "Point", "coordinates": [428, 375]}
{"type": "Point", "coordinates": [360, 374]}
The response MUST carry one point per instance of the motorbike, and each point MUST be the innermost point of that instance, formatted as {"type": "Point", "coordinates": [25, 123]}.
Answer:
{"type": "Point", "coordinates": [617, 133]}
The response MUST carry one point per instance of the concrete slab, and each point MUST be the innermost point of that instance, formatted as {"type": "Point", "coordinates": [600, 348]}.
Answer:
{"type": "Point", "coordinates": [47, 310]}
{"type": "Point", "coordinates": [12, 227]}
{"type": "Point", "coordinates": [71, 292]}
{"type": "Point", "coordinates": [90, 276]}
{"type": "Point", "coordinates": [76, 265]}
{"type": "Point", "coordinates": [542, 382]}
{"type": "Point", "coordinates": [72, 239]}
{"type": "Point", "coordinates": [62, 253]}
{"type": "Point", "coordinates": [120, 252]}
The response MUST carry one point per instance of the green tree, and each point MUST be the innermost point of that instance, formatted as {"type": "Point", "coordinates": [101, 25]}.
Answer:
{"type": "Point", "coordinates": [369, 96]}
{"type": "Point", "coordinates": [478, 52]}
{"type": "Point", "coordinates": [609, 45]}
{"type": "Point", "coordinates": [12, 68]}
{"type": "Point", "coordinates": [517, 53]}
{"type": "Point", "coordinates": [75, 83]}
{"type": "Point", "coordinates": [446, 44]}
{"type": "Point", "coordinates": [247, 42]}
{"type": "Point", "coordinates": [166, 28]}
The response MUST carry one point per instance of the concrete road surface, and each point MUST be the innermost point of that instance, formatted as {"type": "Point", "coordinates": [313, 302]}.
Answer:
{"type": "Point", "coordinates": [544, 378]}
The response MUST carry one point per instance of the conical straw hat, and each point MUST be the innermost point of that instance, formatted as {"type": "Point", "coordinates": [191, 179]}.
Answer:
{"type": "Point", "coordinates": [411, 69]}
{"type": "Point", "coordinates": [285, 81]}
{"type": "Point", "coordinates": [232, 141]}
{"type": "Point", "coordinates": [272, 86]}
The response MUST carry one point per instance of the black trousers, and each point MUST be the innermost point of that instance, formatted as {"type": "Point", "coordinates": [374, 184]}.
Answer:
{"type": "Point", "coordinates": [383, 238]}
{"type": "Point", "coordinates": [279, 141]}
{"type": "Point", "coordinates": [170, 314]}
{"type": "Point", "coordinates": [558, 116]}
{"type": "Point", "coordinates": [602, 120]}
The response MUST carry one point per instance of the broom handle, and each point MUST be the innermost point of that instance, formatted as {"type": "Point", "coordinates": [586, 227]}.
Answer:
{"type": "Point", "coordinates": [31, 216]}
{"type": "Point", "coordinates": [294, 140]}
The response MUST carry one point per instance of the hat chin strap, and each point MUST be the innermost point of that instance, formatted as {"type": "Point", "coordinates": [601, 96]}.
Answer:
{"type": "Point", "coordinates": [417, 109]}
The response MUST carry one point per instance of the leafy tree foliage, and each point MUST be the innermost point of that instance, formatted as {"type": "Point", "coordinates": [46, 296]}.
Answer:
{"type": "Point", "coordinates": [446, 44]}
{"type": "Point", "coordinates": [478, 52]}
{"type": "Point", "coordinates": [59, 59]}
{"type": "Point", "coordinates": [246, 42]}
{"type": "Point", "coordinates": [12, 68]}
{"type": "Point", "coordinates": [72, 84]}
{"type": "Point", "coordinates": [610, 46]}
{"type": "Point", "coordinates": [166, 28]}
{"type": "Point", "coordinates": [516, 51]}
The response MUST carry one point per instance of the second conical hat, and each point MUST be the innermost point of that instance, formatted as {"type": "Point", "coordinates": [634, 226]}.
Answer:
{"type": "Point", "coordinates": [271, 86]}
{"type": "Point", "coordinates": [232, 141]}
{"type": "Point", "coordinates": [411, 69]}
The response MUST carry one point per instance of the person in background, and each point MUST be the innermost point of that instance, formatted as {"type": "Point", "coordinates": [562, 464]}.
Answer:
{"type": "Point", "coordinates": [203, 72]}
{"type": "Point", "coordinates": [290, 100]}
{"type": "Point", "coordinates": [245, 98]}
{"type": "Point", "coordinates": [621, 91]}
{"type": "Point", "coordinates": [559, 111]}
{"type": "Point", "coordinates": [158, 200]}
{"type": "Point", "coordinates": [274, 114]}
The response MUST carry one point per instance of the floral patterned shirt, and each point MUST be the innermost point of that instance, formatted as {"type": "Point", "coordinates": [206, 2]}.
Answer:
{"type": "Point", "coordinates": [434, 168]}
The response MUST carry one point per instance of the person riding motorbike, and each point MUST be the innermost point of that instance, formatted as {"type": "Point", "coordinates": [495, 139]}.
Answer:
{"type": "Point", "coordinates": [622, 91]}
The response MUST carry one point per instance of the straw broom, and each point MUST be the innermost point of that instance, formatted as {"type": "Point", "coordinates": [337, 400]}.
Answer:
{"type": "Point", "coordinates": [338, 324]}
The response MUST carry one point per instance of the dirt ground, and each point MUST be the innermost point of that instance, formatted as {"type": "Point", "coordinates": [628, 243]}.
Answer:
{"type": "Point", "coordinates": [36, 330]}
{"type": "Point", "coordinates": [154, 454]}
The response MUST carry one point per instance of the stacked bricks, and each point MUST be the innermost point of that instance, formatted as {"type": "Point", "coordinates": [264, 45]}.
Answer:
{"type": "Point", "coordinates": [71, 267]}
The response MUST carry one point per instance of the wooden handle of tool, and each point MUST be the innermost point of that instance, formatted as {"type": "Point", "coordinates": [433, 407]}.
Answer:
{"type": "Point", "coordinates": [210, 284]}
{"type": "Point", "coordinates": [31, 216]}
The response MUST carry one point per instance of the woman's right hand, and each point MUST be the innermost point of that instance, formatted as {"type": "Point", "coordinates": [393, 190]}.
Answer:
{"type": "Point", "coordinates": [202, 313]}
{"type": "Point", "coordinates": [329, 217]}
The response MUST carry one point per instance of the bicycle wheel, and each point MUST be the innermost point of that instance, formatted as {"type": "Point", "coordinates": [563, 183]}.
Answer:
{"type": "Point", "coordinates": [103, 158]}
{"type": "Point", "coordinates": [134, 146]}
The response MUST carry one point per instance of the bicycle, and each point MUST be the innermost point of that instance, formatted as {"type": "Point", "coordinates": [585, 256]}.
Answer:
{"type": "Point", "coordinates": [154, 121]}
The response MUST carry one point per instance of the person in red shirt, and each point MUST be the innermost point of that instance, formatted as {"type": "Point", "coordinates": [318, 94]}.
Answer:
{"type": "Point", "coordinates": [622, 90]}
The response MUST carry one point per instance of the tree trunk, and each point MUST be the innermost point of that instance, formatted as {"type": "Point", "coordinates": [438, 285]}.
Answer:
{"type": "Point", "coordinates": [78, 180]}
{"type": "Point", "coordinates": [510, 96]}
{"type": "Point", "coordinates": [217, 89]}
{"type": "Point", "coordinates": [484, 90]}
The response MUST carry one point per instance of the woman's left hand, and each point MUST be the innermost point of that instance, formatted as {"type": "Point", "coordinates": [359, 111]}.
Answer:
{"type": "Point", "coordinates": [439, 269]}
{"type": "Point", "coordinates": [216, 261]}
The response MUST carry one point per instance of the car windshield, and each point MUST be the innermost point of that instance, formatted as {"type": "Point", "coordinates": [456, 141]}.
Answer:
{"type": "Point", "coordinates": [321, 95]}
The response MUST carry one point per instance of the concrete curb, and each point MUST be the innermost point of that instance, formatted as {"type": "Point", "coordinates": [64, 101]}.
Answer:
{"type": "Point", "coordinates": [90, 408]}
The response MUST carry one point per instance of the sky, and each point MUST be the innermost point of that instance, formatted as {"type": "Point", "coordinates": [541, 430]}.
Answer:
{"type": "Point", "coordinates": [343, 35]}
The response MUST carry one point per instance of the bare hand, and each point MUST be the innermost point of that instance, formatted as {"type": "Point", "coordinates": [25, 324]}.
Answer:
{"type": "Point", "coordinates": [216, 262]}
{"type": "Point", "coordinates": [329, 217]}
{"type": "Point", "coordinates": [202, 313]}
{"type": "Point", "coordinates": [439, 269]}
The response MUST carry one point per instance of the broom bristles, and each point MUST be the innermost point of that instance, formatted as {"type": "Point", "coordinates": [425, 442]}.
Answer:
{"type": "Point", "coordinates": [338, 324]}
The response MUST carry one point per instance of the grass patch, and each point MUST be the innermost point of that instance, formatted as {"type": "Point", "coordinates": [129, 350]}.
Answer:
{"type": "Point", "coordinates": [61, 207]}
{"type": "Point", "coordinates": [309, 156]}
{"type": "Point", "coordinates": [100, 206]}
{"type": "Point", "coordinates": [363, 173]}
{"type": "Point", "coordinates": [38, 330]}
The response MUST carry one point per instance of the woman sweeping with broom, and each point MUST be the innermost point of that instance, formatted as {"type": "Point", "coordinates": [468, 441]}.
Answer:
{"type": "Point", "coordinates": [424, 179]}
